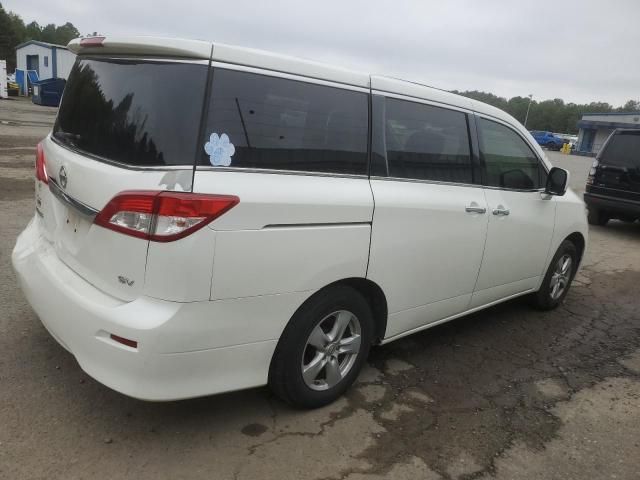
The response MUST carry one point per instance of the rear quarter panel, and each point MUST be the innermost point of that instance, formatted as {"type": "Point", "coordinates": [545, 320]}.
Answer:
{"type": "Point", "coordinates": [289, 233]}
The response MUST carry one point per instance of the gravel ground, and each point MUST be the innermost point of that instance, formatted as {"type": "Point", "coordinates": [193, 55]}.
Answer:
{"type": "Point", "coordinates": [507, 393]}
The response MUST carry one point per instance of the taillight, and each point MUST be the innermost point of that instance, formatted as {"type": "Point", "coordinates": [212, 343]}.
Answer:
{"type": "Point", "coordinates": [162, 216]}
{"type": "Point", "coordinates": [592, 172]}
{"type": "Point", "coordinates": [41, 167]}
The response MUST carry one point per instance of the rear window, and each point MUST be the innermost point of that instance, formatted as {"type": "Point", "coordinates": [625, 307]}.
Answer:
{"type": "Point", "coordinates": [262, 122]}
{"type": "Point", "coordinates": [135, 112]}
{"type": "Point", "coordinates": [622, 150]}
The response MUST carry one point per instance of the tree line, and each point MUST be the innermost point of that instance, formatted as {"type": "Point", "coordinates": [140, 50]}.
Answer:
{"type": "Point", "coordinates": [551, 115]}
{"type": "Point", "coordinates": [13, 32]}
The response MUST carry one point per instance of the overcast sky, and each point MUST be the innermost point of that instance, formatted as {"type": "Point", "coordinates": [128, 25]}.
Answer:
{"type": "Point", "coordinates": [578, 50]}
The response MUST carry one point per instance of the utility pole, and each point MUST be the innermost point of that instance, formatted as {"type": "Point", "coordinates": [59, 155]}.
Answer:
{"type": "Point", "coordinates": [528, 108]}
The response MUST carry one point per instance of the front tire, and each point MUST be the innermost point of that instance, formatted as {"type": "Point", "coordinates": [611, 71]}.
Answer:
{"type": "Point", "coordinates": [558, 278]}
{"type": "Point", "coordinates": [597, 217]}
{"type": "Point", "coordinates": [323, 348]}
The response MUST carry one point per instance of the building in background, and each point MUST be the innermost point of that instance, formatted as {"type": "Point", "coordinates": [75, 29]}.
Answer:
{"type": "Point", "coordinates": [595, 128]}
{"type": "Point", "coordinates": [49, 60]}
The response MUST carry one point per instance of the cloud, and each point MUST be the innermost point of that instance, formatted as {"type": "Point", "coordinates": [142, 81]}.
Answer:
{"type": "Point", "coordinates": [577, 50]}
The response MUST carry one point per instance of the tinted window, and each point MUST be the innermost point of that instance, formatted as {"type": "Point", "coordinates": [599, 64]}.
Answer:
{"type": "Point", "coordinates": [426, 143]}
{"type": "Point", "coordinates": [284, 124]}
{"type": "Point", "coordinates": [133, 112]}
{"type": "Point", "coordinates": [508, 160]}
{"type": "Point", "coordinates": [623, 150]}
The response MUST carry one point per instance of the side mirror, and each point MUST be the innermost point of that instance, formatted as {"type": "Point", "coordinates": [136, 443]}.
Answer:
{"type": "Point", "coordinates": [557, 181]}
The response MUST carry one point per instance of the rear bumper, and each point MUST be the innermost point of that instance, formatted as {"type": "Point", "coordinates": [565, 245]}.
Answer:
{"type": "Point", "coordinates": [184, 349]}
{"type": "Point", "coordinates": [612, 204]}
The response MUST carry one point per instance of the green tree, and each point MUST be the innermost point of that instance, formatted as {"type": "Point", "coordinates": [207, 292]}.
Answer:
{"type": "Point", "coordinates": [33, 31]}
{"type": "Point", "coordinates": [9, 37]}
{"type": "Point", "coordinates": [553, 115]}
{"type": "Point", "coordinates": [631, 106]}
{"type": "Point", "coordinates": [65, 33]}
{"type": "Point", "coordinates": [517, 107]}
{"type": "Point", "coordinates": [48, 33]}
{"type": "Point", "coordinates": [18, 26]}
{"type": "Point", "coordinates": [13, 31]}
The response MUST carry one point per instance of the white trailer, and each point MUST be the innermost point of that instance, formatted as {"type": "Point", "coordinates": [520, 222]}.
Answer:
{"type": "Point", "coordinates": [3, 79]}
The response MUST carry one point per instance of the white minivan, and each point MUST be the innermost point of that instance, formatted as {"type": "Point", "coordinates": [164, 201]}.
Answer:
{"type": "Point", "coordinates": [210, 218]}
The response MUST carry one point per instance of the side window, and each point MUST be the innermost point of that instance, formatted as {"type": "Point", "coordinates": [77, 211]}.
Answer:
{"type": "Point", "coordinates": [508, 161]}
{"type": "Point", "coordinates": [426, 142]}
{"type": "Point", "coordinates": [276, 123]}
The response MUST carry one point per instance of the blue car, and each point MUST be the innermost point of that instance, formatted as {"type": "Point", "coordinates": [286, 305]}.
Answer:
{"type": "Point", "coordinates": [548, 139]}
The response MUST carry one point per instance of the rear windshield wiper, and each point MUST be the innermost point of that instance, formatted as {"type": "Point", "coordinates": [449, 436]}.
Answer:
{"type": "Point", "coordinates": [71, 138]}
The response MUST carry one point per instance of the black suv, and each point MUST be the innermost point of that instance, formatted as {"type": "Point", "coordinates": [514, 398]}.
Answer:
{"type": "Point", "coordinates": [613, 186]}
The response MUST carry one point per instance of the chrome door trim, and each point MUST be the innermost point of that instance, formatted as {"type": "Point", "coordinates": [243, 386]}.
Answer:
{"type": "Point", "coordinates": [419, 180]}
{"type": "Point", "coordinates": [454, 184]}
{"type": "Point", "coordinates": [276, 226]}
{"type": "Point", "coordinates": [273, 171]}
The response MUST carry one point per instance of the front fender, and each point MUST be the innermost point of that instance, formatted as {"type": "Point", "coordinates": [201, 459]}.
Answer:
{"type": "Point", "coordinates": [571, 217]}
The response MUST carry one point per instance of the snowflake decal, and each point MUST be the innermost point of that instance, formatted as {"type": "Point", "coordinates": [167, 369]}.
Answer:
{"type": "Point", "coordinates": [220, 150]}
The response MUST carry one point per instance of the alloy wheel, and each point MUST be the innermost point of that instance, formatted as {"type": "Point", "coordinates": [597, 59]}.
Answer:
{"type": "Point", "coordinates": [561, 276]}
{"type": "Point", "coordinates": [331, 350]}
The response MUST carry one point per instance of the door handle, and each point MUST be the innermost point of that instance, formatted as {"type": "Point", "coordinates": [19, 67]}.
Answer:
{"type": "Point", "coordinates": [500, 210]}
{"type": "Point", "coordinates": [473, 207]}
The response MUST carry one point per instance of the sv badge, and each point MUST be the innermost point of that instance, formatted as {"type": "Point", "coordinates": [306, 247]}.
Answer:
{"type": "Point", "coordinates": [125, 281]}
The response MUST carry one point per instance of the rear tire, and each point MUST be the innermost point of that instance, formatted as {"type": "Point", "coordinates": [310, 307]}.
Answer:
{"type": "Point", "coordinates": [557, 280]}
{"type": "Point", "coordinates": [314, 363]}
{"type": "Point", "coordinates": [597, 217]}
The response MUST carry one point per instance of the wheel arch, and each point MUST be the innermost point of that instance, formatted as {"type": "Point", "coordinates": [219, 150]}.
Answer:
{"type": "Point", "coordinates": [579, 241]}
{"type": "Point", "coordinates": [376, 299]}
{"type": "Point", "coordinates": [371, 292]}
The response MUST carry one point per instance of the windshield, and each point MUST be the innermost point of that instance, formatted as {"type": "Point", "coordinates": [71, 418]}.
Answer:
{"type": "Point", "coordinates": [135, 112]}
{"type": "Point", "coordinates": [622, 150]}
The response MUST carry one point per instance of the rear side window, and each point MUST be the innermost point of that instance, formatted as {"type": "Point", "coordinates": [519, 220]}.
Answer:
{"type": "Point", "coordinates": [508, 161]}
{"type": "Point", "coordinates": [622, 150]}
{"type": "Point", "coordinates": [276, 123]}
{"type": "Point", "coordinates": [426, 143]}
{"type": "Point", "coordinates": [139, 113]}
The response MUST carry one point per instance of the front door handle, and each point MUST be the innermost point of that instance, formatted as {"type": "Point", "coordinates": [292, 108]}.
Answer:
{"type": "Point", "coordinates": [500, 210]}
{"type": "Point", "coordinates": [473, 207]}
